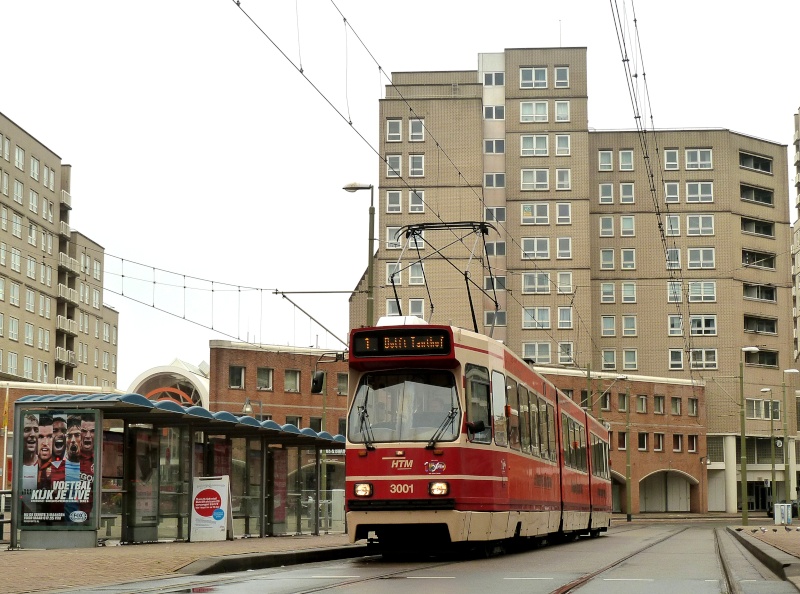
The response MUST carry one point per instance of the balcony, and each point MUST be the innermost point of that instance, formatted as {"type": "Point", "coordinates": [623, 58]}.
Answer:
{"type": "Point", "coordinates": [61, 380]}
{"type": "Point", "coordinates": [66, 199]}
{"type": "Point", "coordinates": [67, 294]}
{"type": "Point", "coordinates": [64, 230]}
{"type": "Point", "coordinates": [68, 264]}
{"type": "Point", "coordinates": [797, 158]}
{"type": "Point", "coordinates": [66, 357]}
{"type": "Point", "coordinates": [64, 324]}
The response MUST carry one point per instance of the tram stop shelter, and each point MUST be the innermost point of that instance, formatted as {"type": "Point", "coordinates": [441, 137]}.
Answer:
{"type": "Point", "coordinates": [91, 467]}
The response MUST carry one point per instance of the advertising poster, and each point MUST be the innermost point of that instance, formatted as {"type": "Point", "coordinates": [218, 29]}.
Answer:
{"type": "Point", "coordinates": [145, 478]}
{"type": "Point", "coordinates": [56, 478]}
{"type": "Point", "coordinates": [211, 509]}
{"type": "Point", "coordinates": [280, 474]}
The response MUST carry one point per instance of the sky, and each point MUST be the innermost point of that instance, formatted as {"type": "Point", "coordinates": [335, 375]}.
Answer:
{"type": "Point", "coordinates": [198, 148]}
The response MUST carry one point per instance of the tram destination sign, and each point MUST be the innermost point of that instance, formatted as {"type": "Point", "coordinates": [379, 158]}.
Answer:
{"type": "Point", "coordinates": [401, 342]}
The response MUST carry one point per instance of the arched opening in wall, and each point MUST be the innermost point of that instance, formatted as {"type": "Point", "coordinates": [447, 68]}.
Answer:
{"type": "Point", "coordinates": [666, 491]}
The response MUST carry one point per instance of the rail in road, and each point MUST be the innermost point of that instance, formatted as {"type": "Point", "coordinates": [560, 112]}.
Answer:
{"type": "Point", "coordinates": [636, 558]}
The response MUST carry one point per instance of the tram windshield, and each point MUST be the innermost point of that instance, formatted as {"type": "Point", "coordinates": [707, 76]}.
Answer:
{"type": "Point", "coordinates": [417, 405]}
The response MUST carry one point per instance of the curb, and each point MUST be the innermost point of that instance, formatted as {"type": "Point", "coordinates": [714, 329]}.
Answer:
{"type": "Point", "coordinates": [243, 562]}
{"type": "Point", "coordinates": [782, 564]}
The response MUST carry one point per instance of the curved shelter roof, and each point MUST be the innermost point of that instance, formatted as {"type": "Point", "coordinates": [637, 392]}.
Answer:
{"type": "Point", "coordinates": [135, 408]}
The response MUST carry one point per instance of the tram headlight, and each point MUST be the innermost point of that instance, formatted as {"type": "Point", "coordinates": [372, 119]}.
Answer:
{"type": "Point", "coordinates": [439, 488]}
{"type": "Point", "coordinates": [363, 490]}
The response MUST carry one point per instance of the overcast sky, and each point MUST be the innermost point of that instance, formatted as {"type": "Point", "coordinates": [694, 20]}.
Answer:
{"type": "Point", "coordinates": [198, 148]}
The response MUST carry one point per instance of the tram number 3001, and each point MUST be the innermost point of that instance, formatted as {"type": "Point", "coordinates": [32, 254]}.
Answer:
{"type": "Point", "coordinates": [401, 488]}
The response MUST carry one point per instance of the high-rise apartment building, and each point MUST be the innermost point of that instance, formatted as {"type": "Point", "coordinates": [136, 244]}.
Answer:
{"type": "Point", "coordinates": [599, 262]}
{"type": "Point", "coordinates": [54, 327]}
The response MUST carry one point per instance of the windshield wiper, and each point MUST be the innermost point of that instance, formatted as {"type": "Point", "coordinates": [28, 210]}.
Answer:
{"type": "Point", "coordinates": [440, 431]}
{"type": "Point", "coordinates": [365, 427]}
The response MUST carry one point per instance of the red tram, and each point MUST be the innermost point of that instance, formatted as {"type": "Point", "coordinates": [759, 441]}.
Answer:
{"type": "Point", "coordinates": [452, 438]}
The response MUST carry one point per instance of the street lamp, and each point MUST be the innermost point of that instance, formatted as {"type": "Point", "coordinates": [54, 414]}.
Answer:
{"type": "Point", "coordinates": [355, 187]}
{"type": "Point", "coordinates": [771, 443]}
{"type": "Point", "coordinates": [743, 435]}
{"type": "Point", "coordinates": [787, 480]}
{"type": "Point", "coordinates": [247, 409]}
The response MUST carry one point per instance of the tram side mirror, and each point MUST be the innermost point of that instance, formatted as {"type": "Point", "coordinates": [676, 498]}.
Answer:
{"type": "Point", "coordinates": [476, 426]}
{"type": "Point", "coordinates": [317, 382]}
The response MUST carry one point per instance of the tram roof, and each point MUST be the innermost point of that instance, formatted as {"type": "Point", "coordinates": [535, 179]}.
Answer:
{"type": "Point", "coordinates": [135, 408]}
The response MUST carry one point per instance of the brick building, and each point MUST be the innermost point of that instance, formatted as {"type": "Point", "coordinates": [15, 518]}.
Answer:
{"type": "Point", "coordinates": [276, 381]}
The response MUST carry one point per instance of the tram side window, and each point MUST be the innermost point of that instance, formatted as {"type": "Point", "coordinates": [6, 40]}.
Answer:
{"type": "Point", "coordinates": [544, 433]}
{"type": "Point", "coordinates": [581, 448]}
{"type": "Point", "coordinates": [567, 438]}
{"type": "Point", "coordinates": [513, 413]}
{"type": "Point", "coordinates": [524, 420]}
{"type": "Point", "coordinates": [499, 408]}
{"type": "Point", "coordinates": [534, 421]}
{"type": "Point", "coordinates": [551, 431]}
{"type": "Point", "coordinates": [478, 404]}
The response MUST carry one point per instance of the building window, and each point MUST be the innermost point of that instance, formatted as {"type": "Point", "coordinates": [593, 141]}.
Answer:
{"type": "Point", "coordinates": [758, 259]}
{"type": "Point", "coordinates": [235, 375]}
{"type": "Point", "coordinates": [563, 179]}
{"type": "Point", "coordinates": [626, 193]}
{"type": "Point", "coordinates": [392, 308]}
{"type": "Point", "coordinates": [627, 226]}
{"type": "Point", "coordinates": [757, 195]}
{"type": "Point", "coordinates": [753, 226]}
{"type": "Point", "coordinates": [675, 359]}
{"type": "Point", "coordinates": [658, 442]}
{"type": "Point", "coordinates": [535, 179]}
{"type": "Point", "coordinates": [608, 326]}
{"type": "Point", "coordinates": [671, 159]}
{"type": "Point", "coordinates": [416, 130]}
{"type": "Point", "coordinates": [607, 259]}
{"type": "Point", "coordinates": [704, 358]}
{"type": "Point", "coordinates": [294, 420]}
{"type": "Point", "coordinates": [674, 292]}
{"type": "Point", "coordinates": [264, 378]}
{"type": "Point", "coordinates": [609, 359]}
{"type": "Point", "coordinates": [672, 192]}
{"type": "Point", "coordinates": [495, 248]}
{"type": "Point", "coordinates": [491, 79]}
{"type": "Point", "coordinates": [629, 359]}
{"type": "Point", "coordinates": [565, 356]}
{"type": "Point", "coordinates": [19, 159]}
{"type": "Point", "coordinates": [562, 145]}
{"type": "Point", "coordinates": [622, 441]}
{"type": "Point", "coordinates": [394, 201]}
{"type": "Point", "coordinates": [749, 161]}
{"type": "Point", "coordinates": [563, 213]}
{"type": "Point", "coordinates": [533, 145]}
{"type": "Point", "coordinates": [629, 326]}
{"type": "Point", "coordinates": [535, 214]}
{"type": "Point", "coordinates": [291, 380]}
{"type": "Point", "coordinates": [564, 282]}
{"type": "Point", "coordinates": [494, 147]}
{"type": "Point", "coordinates": [536, 352]}
{"type": "Point", "coordinates": [672, 225]}
{"type": "Point", "coordinates": [605, 160]}
{"type": "Point", "coordinates": [392, 238]}
{"type": "Point", "coordinates": [494, 112]}
{"type": "Point", "coordinates": [702, 224]}
{"type": "Point", "coordinates": [494, 318]}
{"type": "Point", "coordinates": [641, 403]}
{"type": "Point", "coordinates": [760, 325]}
{"type": "Point", "coordinates": [703, 325]}
{"type": "Point", "coordinates": [626, 160]}
{"type": "Point", "coordinates": [658, 404]}
{"type": "Point", "coordinates": [494, 180]}
{"type": "Point", "coordinates": [564, 245]}
{"type": "Point", "coordinates": [675, 405]}
{"type": "Point", "coordinates": [628, 292]}
{"type": "Point", "coordinates": [535, 282]}
{"type": "Point", "coordinates": [701, 258]}
{"type": "Point", "coordinates": [692, 407]}
{"type": "Point", "coordinates": [564, 318]}
{"type": "Point", "coordinates": [416, 307]}
{"type": "Point", "coordinates": [698, 158]}
{"type": "Point", "coordinates": [702, 291]}
{"type": "Point", "coordinates": [394, 130]}
{"type": "Point", "coordinates": [562, 111]}
{"type": "Point", "coordinates": [533, 78]}
{"type": "Point", "coordinates": [562, 77]}
{"type": "Point", "coordinates": [341, 384]}
{"type": "Point", "coordinates": [699, 192]}
{"type": "Point", "coordinates": [496, 283]}
{"type": "Point", "coordinates": [536, 318]}
{"type": "Point", "coordinates": [416, 165]}
{"type": "Point", "coordinates": [691, 444]}
{"type": "Point", "coordinates": [675, 325]}
{"type": "Point", "coordinates": [533, 111]}
{"type": "Point", "coordinates": [394, 167]}
{"type": "Point", "coordinates": [535, 248]}
{"type": "Point", "coordinates": [606, 193]}
{"type": "Point", "coordinates": [628, 258]}
{"type": "Point", "coordinates": [607, 293]}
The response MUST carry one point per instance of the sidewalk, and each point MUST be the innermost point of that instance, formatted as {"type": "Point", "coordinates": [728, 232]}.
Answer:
{"type": "Point", "coordinates": [31, 570]}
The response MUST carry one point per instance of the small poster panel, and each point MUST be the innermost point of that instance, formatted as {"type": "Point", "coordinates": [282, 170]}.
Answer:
{"type": "Point", "coordinates": [211, 509]}
{"type": "Point", "coordinates": [145, 478]}
{"type": "Point", "coordinates": [56, 476]}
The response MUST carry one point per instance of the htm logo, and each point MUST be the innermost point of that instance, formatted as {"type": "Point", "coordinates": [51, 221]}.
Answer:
{"type": "Point", "coordinates": [402, 464]}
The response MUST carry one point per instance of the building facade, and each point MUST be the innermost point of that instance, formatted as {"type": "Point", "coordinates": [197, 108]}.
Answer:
{"type": "Point", "coordinates": [54, 327]}
{"type": "Point", "coordinates": [605, 254]}
{"type": "Point", "coordinates": [275, 382]}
